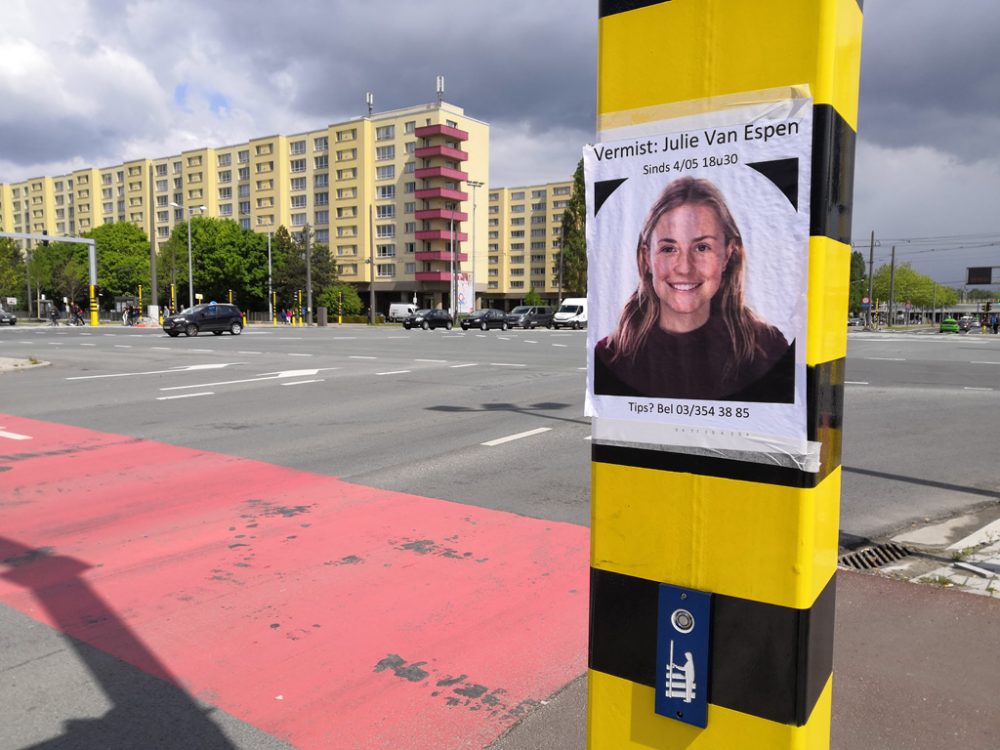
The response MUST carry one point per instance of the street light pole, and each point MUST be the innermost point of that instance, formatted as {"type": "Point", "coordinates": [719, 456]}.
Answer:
{"type": "Point", "coordinates": [190, 211]}
{"type": "Point", "coordinates": [474, 184]}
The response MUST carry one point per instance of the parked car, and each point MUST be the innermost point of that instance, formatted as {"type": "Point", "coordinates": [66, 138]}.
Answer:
{"type": "Point", "coordinates": [572, 313]}
{"type": "Point", "coordinates": [214, 317]}
{"type": "Point", "coordinates": [7, 318]}
{"type": "Point", "coordinates": [948, 325]}
{"type": "Point", "coordinates": [966, 323]}
{"type": "Point", "coordinates": [530, 316]}
{"type": "Point", "coordinates": [853, 321]}
{"type": "Point", "coordinates": [428, 319]}
{"type": "Point", "coordinates": [486, 318]}
{"type": "Point", "coordinates": [400, 311]}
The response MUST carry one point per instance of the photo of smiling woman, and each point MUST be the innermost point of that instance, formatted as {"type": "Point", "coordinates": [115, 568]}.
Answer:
{"type": "Point", "coordinates": [686, 331]}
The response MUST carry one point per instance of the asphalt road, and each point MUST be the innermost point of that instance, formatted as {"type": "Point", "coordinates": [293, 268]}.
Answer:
{"type": "Point", "coordinates": [494, 418]}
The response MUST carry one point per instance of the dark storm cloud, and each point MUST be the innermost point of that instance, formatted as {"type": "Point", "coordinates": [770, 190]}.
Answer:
{"type": "Point", "coordinates": [929, 76]}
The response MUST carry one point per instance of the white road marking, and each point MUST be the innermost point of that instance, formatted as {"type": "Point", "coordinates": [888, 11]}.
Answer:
{"type": "Point", "coordinates": [303, 382]}
{"type": "Point", "coordinates": [88, 344]}
{"type": "Point", "coordinates": [360, 357]}
{"type": "Point", "coordinates": [123, 346]}
{"type": "Point", "coordinates": [971, 388]}
{"type": "Point", "coordinates": [293, 354]}
{"type": "Point", "coordinates": [185, 395]}
{"type": "Point", "coordinates": [505, 364]}
{"type": "Point", "coordinates": [518, 436]}
{"type": "Point", "coordinates": [974, 362]}
{"type": "Point", "coordinates": [855, 382]}
{"type": "Point", "coordinates": [528, 341]}
{"type": "Point", "coordinates": [470, 364]}
{"type": "Point", "coordinates": [259, 378]}
{"type": "Point", "coordinates": [182, 368]}
{"type": "Point", "coordinates": [393, 372]}
{"type": "Point", "coordinates": [13, 435]}
{"type": "Point", "coordinates": [435, 361]}
{"type": "Point", "coordinates": [397, 337]}
{"type": "Point", "coordinates": [886, 359]}
{"type": "Point", "coordinates": [248, 352]}
{"type": "Point", "coordinates": [562, 345]}
{"type": "Point", "coordinates": [158, 348]}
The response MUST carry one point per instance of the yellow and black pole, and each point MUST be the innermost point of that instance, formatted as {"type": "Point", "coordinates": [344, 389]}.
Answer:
{"type": "Point", "coordinates": [173, 298]}
{"type": "Point", "coordinates": [298, 309]}
{"type": "Point", "coordinates": [716, 514]}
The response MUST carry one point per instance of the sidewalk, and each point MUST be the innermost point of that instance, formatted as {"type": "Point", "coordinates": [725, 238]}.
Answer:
{"type": "Point", "coordinates": [916, 667]}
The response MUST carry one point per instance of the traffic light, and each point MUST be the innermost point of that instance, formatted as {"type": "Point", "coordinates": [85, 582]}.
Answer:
{"type": "Point", "coordinates": [986, 307]}
{"type": "Point", "coordinates": [45, 243]}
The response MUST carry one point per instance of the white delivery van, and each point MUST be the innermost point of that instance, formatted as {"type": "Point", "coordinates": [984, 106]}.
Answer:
{"type": "Point", "coordinates": [572, 313]}
{"type": "Point", "coordinates": [400, 311]}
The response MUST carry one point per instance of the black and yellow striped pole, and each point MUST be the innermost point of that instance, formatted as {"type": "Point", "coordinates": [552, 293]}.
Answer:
{"type": "Point", "coordinates": [760, 538]}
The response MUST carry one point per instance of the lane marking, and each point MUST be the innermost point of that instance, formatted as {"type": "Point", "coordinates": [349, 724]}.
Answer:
{"type": "Point", "coordinates": [975, 362]}
{"type": "Point", "coordinates": [185, 395]}
{"type": "Point", "coordinates": [258, 379]}
{"type": "Point", "coordinates": [248, 352]}
{"type": "Point", "coordinates": [85, 344]}
{"type": "Point", "coordinates": [527, 341]}
{"type": "Point", "coordinates": [123, 346]}
{"type": "Point", "coordinates": [886, 359]}
{"type": "Point", "coordinates": [181, 368]}
{"type": "Point", "coordinates": [158, 348]}
{"type": "Point", "coordinates": [303, 382]}
{"type": "Point", "coordinates": [506, 364]}
{"type": "Point", "coordinates": [293, 354]}
{"type": "Point", "coordinates": [360, 357]}
{"type": "Point", "coordinates": [393, 372]}
{"type": "Point", "coordinates": [518, 436]}
{"type": "Point", "coordinates": [435, 361]}
{"type": "Point", "coordinates": [972, 388]}
{"type": "Point", "coordinates": [562, 345]}
{"type": "Point", "coordinates": [856, 382]}
{"type": "Point", "coordinates": [471, 364]}
{"type": "Point", "coordinates": [13, 435]}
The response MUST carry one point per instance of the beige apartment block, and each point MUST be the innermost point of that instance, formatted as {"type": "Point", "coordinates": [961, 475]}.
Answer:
{"type": "Point", "coordinates": [399, 197]}
{"type": "Point", "coordinates": [524, 242]}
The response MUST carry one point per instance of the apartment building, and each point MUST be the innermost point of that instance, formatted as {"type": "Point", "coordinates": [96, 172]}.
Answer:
{"type": "Point", "coordinates": [524, 243]}
{"type": "Point", "coordinates": [393, 195]}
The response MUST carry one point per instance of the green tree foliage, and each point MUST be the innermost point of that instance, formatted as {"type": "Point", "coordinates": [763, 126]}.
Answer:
{"type": "Point", "coordinates": [12, 271]}
{"type": "Point", "coordinates": [61, 270]}
{"type": "Point", "coordinates": [122, 259]}
{"type": "Point", "coordinates": [574, 240]}
{"type": "Point", "coordinates": [290, 273]}
{"type": "Point", "coordinates": [859, 282]}
{"type": "Point", "coordinates": [911, 287]}
{"type": "Point", "coordinates": [532, 297]}
{"type": "Point", "coordinates": [330, 298]}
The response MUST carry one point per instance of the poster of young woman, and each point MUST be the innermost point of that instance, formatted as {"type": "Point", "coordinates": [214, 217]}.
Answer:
{"type": "Point", "coordinates": [698, 246]}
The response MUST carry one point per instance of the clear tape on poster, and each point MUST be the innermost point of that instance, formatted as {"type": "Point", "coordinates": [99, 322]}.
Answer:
{"type": "Point", "coordinates": [761, 449]}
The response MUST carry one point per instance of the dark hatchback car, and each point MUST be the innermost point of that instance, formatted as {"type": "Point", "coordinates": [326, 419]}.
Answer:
{"type": "Point", "coordinates": [213, 317]}
{"type": "Point", "coordinates": [7, 318]}
{"type": "Point", "coordinates": [488, 318]}
{"type": "Point", "coordinates": [428, 319]}
{"type": "Point", "coordinates": [530, 316]}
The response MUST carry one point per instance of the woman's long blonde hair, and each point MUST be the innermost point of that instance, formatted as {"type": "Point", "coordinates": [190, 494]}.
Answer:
{"type": "Point", "coordinates": [642, 311]}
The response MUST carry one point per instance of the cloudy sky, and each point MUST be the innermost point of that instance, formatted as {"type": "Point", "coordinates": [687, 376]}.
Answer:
{"type": "Point", "coordinates": [97, 82]}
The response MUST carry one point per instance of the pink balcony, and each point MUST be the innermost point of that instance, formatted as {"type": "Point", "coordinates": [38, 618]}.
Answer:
{"type": "Point", "coordinates": [447, 172]}
{"type": "Point", "coordinates": [446, 151]}
{"type": "Point", "coordinates": [439, 234]}
{"type": "Point", "coordinates": [441, 192]}
{"type": "Point", "coordinates": [433, 276]}
{"type": "Point", "coordinates": [431, 130]}
{"type": "Point", "coordinates": [441, 255]}
{"type": "Point", "coordinates": [441, 213]}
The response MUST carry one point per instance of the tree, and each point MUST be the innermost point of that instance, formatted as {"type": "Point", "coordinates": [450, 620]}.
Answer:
{"type": "Point", "coordinates": [122, 259]}
{"type": "Point", "coordinates": [290, 272]}
{"type": "Point", "coordinates": [573, 255]}
{"type": "Point", "coordinates": [910, 286]}
{"type": "Point", "coordinates": [532, 297]}
{"type": "Point", "coordinates": [330, 298]}
{"type": "Point", "coordinates": [60, 270]}
{"type": "Point", "coordinates": [859, 283]}
{"type": "Point", "coordinates": [12, 270]}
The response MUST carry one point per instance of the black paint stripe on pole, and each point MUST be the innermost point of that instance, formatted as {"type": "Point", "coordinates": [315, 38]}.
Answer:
{"type": "Point", "coordinates": [767, 661]}
{"type": "Point", "coordinates": [832, 175]}
{"type": "Point", "coordinates": [611, 7]}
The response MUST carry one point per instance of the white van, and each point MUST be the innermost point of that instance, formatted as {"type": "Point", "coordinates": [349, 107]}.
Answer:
{"type": "Point", "coordinates": [572, 313]}
{"type": "Point", "coordinates": [400, 311]}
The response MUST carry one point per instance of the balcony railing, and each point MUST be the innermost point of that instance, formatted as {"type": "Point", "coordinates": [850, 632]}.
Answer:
{"type": "Point", "coordinates": [427, 131]}
{"type": "Point", "coordinates": [452, 174]}
{"type": "Point", "coordinates": [446, 151]}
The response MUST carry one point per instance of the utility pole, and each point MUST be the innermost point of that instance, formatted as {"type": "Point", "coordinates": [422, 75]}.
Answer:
{"type": "Point", "coordinates": [871, 276]}
{"type": "Point", "coordinates": [892, 281]}
{"type": "Point", "coordinates": [371, 262]}
{"type": "Point", "coordinates": [309, 278]}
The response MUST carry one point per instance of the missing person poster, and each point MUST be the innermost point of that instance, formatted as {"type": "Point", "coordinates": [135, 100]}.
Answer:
{"type": "Point", "coordinates": [698, 249]}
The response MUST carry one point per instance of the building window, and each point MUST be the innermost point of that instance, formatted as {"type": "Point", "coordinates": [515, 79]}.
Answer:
{"type": "Point", "coordinates": [346, 193]}
{"type": "Point", "coordinates": [225, 160]}
{"type": "Point", "coordinates": [410, 227]}
{"type": "Point", "coordinates": [297, 147]}
{"type": "Point", "coordinates": [321, 162]}
{"type": "Point", "coordinates": [161, 170]}
{"type": "Point", "coordinates": [410, 187]}
{"type": "Point", "coordinates": [517, 233]}
{"type": "Point", "coordinates": [517, 222]}
{"type": "Point", "coordinates": [322, 217]}
{"type": "Point", "coordinates": [348, 269]}
{"type": "Point", "coordinates": [298, 183]}
{"type": "Point", "coordinates": [385, 132]}
{"type": "Point", "coordinates": [347, 135]}
{"type": "Point", "coordinates": [518, 196]}
{"type": "Point", "coordinates": [385, 251]}
{"type": "Point", "coordinates": [226, 175]}
{"type": "Point", "coordinates": [243, 173]}
{"type": "Point", "coordinates": [562, 190]}
{"type": "Point", "coordinates": [244, 207]}
{"type": "Point", "coordinates": [322, 143]}
{"type": "Point", "coordinates": [225, 209]}
{"type": "Point", "coordinates": [409, 208]}
{"type": "Point", "coordinates": [321, 199]}
{"type": "Point", "coordinates": [321, 180]}
{"type": "Point", "coordinates": [384, 153]}
{"type": "Point", "coordinates": [323, 236]}
{"type": "Point", "coordinates": [385, 270]}
{"type": "Point", "coordinates": [347, 154]}
{"type": "Point", "coordinates": [410, 247]}
{"type": "Point", "coordinates": [347, 174]}
{"type": "Point", "coordinates": [411, 147]}
{"type": "Point", "coordinates": [263, 149]}
{"type": "Point", "coordinates": [225, 194]}
{"type": "Point", "coordinates": [243, 157]}
{"type": "Point", "coordinates": [298, 165]}
{"type": "Point", "coordinates": [385, 230]}
{"type": "Point", "coordinates": [347, 250]}
{"type": "Point", "coordinates": [298, 220]}
{"type": "Point", "coordinates": [518, 209]}
{"type": "Point", "coordinates": [385, 212]}
{"type": "Point", "coordinates": [410, 126]}
{"type": "Point", "coordinates": [386, 172]}
{"type": "Point", "coordinates": [517, 285]}
{"type": "Point", "coordinates": [348, 212]}
{"type": "Point", "coordinates": [410, 167]}
{"type": "Point", "coordinates": [298, 201]}
{"type": "Point", "coordinates": [244, 191]}
{"type": "Point", "coordinates": [161, 186]}
{"type": "Point", "coordinates": [385, 192]}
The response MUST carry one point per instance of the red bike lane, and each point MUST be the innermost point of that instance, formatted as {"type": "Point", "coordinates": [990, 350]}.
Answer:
{"type": "Point", "coordinates": [327, 614]}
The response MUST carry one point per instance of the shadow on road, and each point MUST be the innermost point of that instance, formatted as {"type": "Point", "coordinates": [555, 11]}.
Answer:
{"type": "Point", "coordinates": [535, 410]}
{"type": "Point", "coordinates": [146, 712]}
{"type": "Point", "coordinates": [991, 494]}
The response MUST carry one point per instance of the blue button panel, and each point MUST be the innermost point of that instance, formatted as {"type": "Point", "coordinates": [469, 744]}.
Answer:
{"type": "Point", "coordinates": [682, 657]}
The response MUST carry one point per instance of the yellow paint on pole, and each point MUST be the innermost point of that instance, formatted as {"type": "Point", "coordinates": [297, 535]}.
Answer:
{"type": "Point", "coordinates": [761, 538]}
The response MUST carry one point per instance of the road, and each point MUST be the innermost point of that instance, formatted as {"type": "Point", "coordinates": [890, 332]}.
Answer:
{"type": "Point", "coordinates": [401, 513]}
{"type": "Point", "coordinates": [411, 411]}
